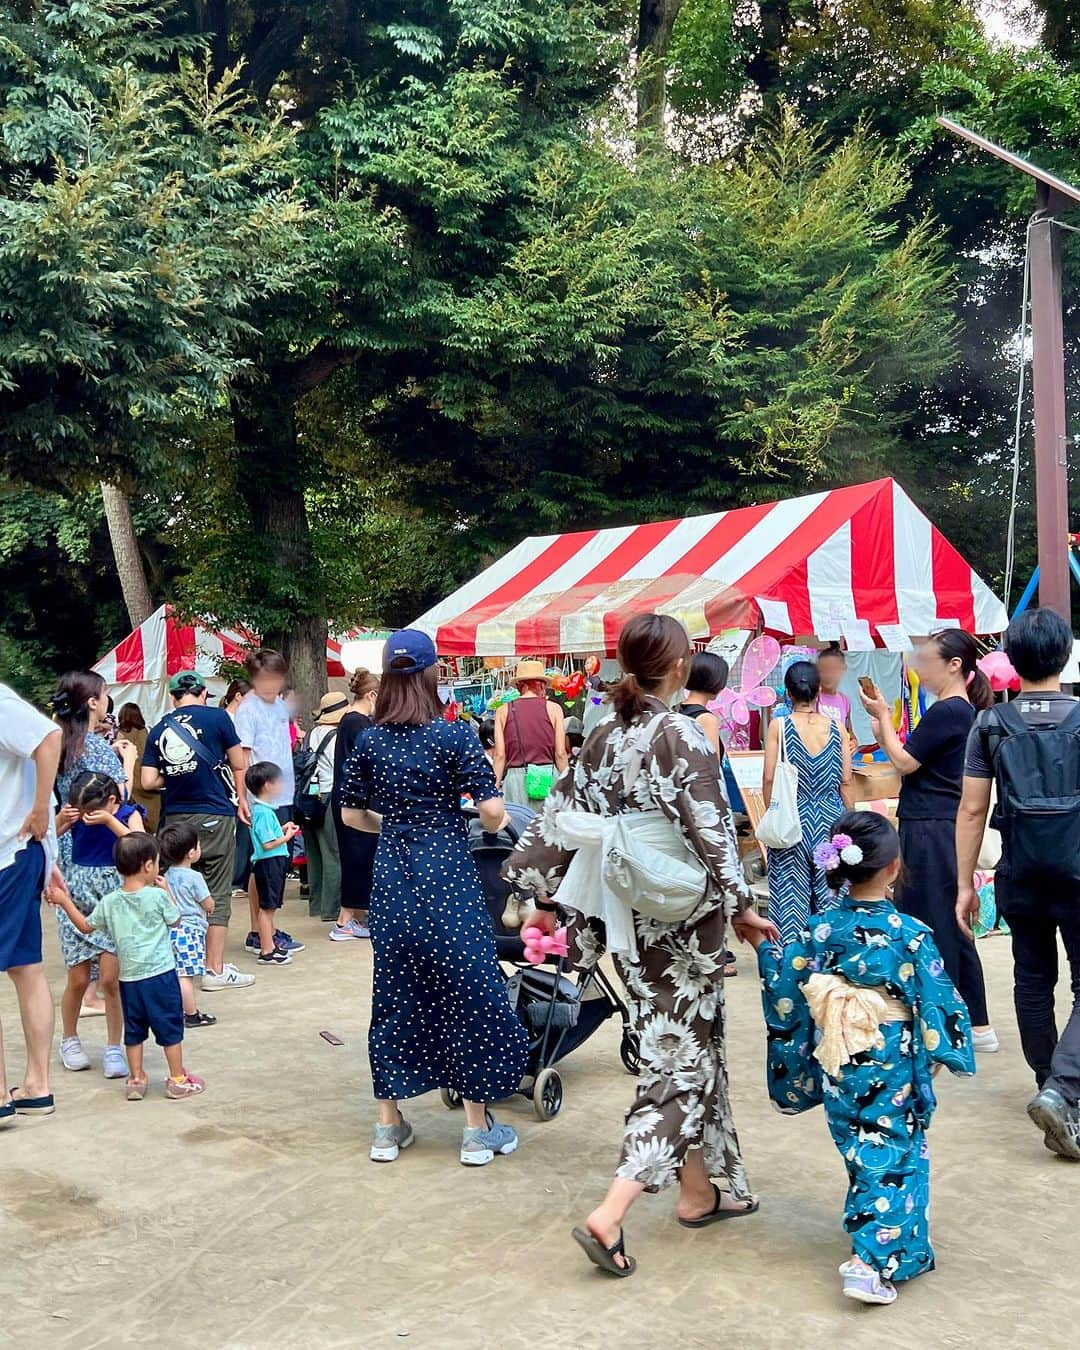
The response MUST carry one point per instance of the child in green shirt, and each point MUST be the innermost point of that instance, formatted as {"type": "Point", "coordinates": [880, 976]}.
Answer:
{"type": "Point", "coordinates": [137, 918]}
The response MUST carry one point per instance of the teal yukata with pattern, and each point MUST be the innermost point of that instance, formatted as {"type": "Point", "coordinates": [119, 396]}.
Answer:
{"type": "Point", "coordinates": [880, 1104]}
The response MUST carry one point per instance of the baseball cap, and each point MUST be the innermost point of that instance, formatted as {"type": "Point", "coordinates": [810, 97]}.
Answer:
{"type": "Point", "coordinates": [408, 651]}
{"type": "Point", "coordinates": [186, 682]}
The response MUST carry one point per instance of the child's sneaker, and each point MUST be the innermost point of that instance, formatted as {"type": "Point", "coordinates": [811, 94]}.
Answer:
{"type": "Point", "coordinates": [252, 944]}
{"type": "Point", "coordinates": [114, 1062]}
{"type": "Point", "coordinates": [136, 1089]}
{"type": "Point", "coordinates": [511, 915]}
{"type": "Point", "coordinates": [479, 1146]}
{"type": "Point", "coordinates": [389, 1140]}
{"type": "Point", "coordinates": [286, 941]}
{"type": "Point", "coordinates": [866, 1285]}
{"type": "Point", "coordinates": [188, 1086]}
{"type": "Point", "coordinates": [275, 958]}
{"type": "Point", "coordinates": [72, 1054]}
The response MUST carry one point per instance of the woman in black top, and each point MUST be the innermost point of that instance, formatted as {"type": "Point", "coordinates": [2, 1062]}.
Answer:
{"type": "Point", "coordinates": [707, 676]}
{"type": "Point", "coordinates": [357, 847]}
{"type": "Point", "coordinates": [931, 766]}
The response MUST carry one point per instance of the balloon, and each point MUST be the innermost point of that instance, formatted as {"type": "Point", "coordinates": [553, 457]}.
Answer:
{"type": "Point", "coordinates": [998, 669]}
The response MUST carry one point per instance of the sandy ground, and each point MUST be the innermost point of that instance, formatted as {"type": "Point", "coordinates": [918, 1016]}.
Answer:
{"type": "Point", "coordinates": [252, 1217]}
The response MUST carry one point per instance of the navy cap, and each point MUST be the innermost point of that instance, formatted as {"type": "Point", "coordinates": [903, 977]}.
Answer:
{"type": "Point", "coordinates": [408, 651]}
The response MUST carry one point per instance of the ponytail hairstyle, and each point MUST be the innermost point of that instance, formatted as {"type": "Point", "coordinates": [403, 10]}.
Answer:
{"type": "Point", "coordinates": [802, 682]}
{"type": "Point", "coordinates": [90, 791]}
{"type": "Point", "coordinates": [861, 844]}
{"type": "Point", "coordinates": [650, 645]}
{"type": "Point", "coordinates": [71, 707]}
{"type": "Point", "coordinates": [954, 644]}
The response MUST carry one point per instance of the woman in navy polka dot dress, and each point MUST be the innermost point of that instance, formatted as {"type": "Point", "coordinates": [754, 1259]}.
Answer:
{"type": "Point", "coordinates": [440, 1015]}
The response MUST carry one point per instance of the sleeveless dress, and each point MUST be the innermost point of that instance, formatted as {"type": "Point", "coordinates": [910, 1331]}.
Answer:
{"type": "Point", "coordinates": [440, 1013]}
{"type": "Point", "coordinates": [797, 886]}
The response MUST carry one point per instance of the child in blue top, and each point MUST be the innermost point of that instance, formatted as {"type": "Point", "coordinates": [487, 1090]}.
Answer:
{"type": "Point", "coordinates": [137, 916]}
{"type": "Point", "coordinates": [269, 855]}
{"type": "Point", "coordinates": [860, 1016]}
{"type": "Point", "coordinates": [95, 815]}
{"type": "Point", "coordinates": [180, 851]}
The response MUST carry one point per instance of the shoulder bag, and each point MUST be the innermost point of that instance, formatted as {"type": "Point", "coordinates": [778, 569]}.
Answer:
{"type": "Point", "coordinates": [781, 825]}
{"type": "Point", "coordinates": [647, 863]}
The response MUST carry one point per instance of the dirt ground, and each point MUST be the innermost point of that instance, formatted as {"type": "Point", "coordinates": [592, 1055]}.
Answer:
{"type": "Point", "coordinates": [251, 1217]}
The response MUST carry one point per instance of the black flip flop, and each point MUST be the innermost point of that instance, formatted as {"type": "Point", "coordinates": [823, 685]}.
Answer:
{"type": "Point", "coordinates": [604, 1257]}
{"type": "Point", "coordinates": [718, 1212]}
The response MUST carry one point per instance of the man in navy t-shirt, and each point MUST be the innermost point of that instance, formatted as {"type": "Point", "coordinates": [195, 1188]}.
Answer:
{"type": "Point", "coordinates": [194, 754]}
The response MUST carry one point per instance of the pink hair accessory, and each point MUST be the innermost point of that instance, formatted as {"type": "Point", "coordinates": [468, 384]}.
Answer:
{"type": "Point", "coordinates": [540, 945]}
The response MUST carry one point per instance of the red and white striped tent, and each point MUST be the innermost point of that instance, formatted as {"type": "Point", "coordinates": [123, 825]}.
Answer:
{"type": "Point", "coordinates": [139, 668]}
{"type": "Point", "coordinates": [807, 565]}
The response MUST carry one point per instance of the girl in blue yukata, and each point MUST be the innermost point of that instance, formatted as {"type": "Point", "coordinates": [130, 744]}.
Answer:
{"type": "Point", "coordinates": [860, 1016]}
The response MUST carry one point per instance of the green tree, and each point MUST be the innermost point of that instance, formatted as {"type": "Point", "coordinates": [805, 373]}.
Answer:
{"type": "Point", "coordinates": [141, 213]}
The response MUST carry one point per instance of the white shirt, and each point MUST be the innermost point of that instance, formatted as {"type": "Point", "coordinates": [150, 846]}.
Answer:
{"type": "Point", "coordinates": [22, 729]}
{"type": "Point", "coordinates": [323, 780]}
{"type": "Point", "coordinates": [263, 729]}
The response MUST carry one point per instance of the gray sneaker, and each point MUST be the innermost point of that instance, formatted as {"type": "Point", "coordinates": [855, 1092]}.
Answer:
{"type": "Point", "coordinates": [479, 1146]}
{"type": "Point", "coordinates": [1059, 1122]}
{"type": "Point", "coordinates": [390, 1140]}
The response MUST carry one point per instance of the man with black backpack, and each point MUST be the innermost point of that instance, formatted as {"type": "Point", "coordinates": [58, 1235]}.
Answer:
{"type": "Point", "coordinates": [194, 754]}
{"type": "Point", "coordinates": [1030, 748]}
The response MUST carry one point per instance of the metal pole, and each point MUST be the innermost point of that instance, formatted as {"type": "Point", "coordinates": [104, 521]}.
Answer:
{"type": "Point", "coordinates": [1048, 381]}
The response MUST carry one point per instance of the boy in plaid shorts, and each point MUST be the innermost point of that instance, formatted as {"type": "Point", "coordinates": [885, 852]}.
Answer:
{"type": "Point", "coordinates": [180, 851]}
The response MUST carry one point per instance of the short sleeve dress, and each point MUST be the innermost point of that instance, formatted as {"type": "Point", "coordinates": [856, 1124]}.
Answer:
{"type": "Point", "coordinates": [440, 1014]}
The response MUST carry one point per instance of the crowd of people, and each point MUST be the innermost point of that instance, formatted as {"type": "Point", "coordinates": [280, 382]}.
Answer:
{"type": "Point", "coordinates": [142, 841]}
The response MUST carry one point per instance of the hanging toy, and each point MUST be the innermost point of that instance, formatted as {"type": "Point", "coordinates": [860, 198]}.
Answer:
{"type": "Point", "coordinates": [592, 666]}
{"type": "Point", "coordinates": [540, 945]}
{"type": "Point", "coordinates": [998, 669]}
{"type": "Point", "coordinates": [732, 706]}
{"type": "Point", "coordinates": [503, 696]}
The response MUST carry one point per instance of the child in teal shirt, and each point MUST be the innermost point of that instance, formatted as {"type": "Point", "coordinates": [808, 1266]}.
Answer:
{"type": "Point", "coordinates": [137, 918]}
{"type": "Point", "coordinates": [269, 856]}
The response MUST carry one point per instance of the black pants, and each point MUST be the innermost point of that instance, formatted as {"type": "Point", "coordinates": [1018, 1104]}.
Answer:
{"type": "Point", "coordinates": [1056, 1063]}
{"type": "Point", "coordinates": [928, 892]}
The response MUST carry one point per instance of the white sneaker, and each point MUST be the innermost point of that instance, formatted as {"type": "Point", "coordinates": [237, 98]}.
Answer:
{"type": "Point", "coordinates": [230, 978]}
{"type": "Point", "coordinates": [986, 1042]}
{"type": "Point", "coordinates": [72, 1054]}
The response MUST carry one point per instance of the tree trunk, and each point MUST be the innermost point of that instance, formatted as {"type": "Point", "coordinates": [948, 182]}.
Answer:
{"type": "Point", "coordinates": [271, 482]}
{"type": "Point", "coordinates": [656, 19]}
{"type": "Point", "coordinates": [764, 67]}
{"type": "Point", "coordinates": [125, 547]}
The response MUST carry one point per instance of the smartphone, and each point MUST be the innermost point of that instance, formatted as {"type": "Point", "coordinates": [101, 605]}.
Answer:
{"type": "Point", "coordinates": [867, 685]}
{"type": "Point", "coordinates": [330, 1038]}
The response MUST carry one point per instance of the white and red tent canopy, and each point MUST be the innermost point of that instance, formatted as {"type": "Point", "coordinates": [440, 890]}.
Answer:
{"type": "Point", "coordinates": [806, 565]}
{"type": "Point", "coordinates": [139, 668]}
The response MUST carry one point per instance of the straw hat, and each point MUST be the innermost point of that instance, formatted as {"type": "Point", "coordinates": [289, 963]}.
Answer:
{"type": "Point", "coordinates": [332, 708]}
{"type": "Point", "coordinates": [530, 670]}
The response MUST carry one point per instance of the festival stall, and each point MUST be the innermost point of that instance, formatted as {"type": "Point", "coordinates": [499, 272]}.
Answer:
{"type": "Point", "coordinates": [139, 668]}
{"type": "Point", "coordinates": [860, 565]}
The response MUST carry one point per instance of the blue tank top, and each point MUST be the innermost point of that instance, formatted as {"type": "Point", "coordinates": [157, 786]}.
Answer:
{"type": "Point", "coordinates": [92, 845]}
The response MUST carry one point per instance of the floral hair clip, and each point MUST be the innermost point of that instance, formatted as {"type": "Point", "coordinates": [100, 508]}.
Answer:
{"type": "Point", "coordinates": [840, 848]}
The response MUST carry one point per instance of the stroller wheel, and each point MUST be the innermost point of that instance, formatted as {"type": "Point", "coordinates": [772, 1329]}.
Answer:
{"type": "Point", "coordinates": [547, 1094]}
{"type": "Point", "coordinates": [629, 1052]}
{"type": "Point", "coordinates": [450, 1099]}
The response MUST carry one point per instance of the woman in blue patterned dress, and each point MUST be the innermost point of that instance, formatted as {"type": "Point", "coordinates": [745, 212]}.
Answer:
{"type": "Point", "coordinates": [868, 991]}
{"type": "Point", "coordinates": [819, 749]}
{"type": "Point", "coordinates": [440, 1014]}
{"type": "Point", "coordinates": [80, 705]}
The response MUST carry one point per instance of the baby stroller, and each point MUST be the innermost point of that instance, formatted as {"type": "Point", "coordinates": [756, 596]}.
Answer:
{"type": "Point", "coordinates": [560, 1009]}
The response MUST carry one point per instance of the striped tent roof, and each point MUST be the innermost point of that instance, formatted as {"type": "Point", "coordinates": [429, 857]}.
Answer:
{"type": "Point", "coordinates": [162, 645]}
{"type": "Point", "coordinates": [800, 566]}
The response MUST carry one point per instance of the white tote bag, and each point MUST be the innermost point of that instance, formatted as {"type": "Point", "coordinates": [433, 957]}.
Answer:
{"type": "Point", "coordinates": [781, 826]}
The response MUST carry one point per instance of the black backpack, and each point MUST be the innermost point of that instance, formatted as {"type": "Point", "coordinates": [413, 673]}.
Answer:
{"type": "Point", "coordinates": [1037, 770]}
{"type": "Point", "coordinates": [308, 808]}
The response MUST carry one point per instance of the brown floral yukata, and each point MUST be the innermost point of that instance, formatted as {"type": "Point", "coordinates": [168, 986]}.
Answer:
{"type": "Point", "coordinates": [676, 983]}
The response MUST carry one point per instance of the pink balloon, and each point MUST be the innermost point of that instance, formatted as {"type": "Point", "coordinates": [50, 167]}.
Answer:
{"type": "Point", "coordinates": [998, 669]}
{"type": "Point", "coordinates": [762, 697]}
